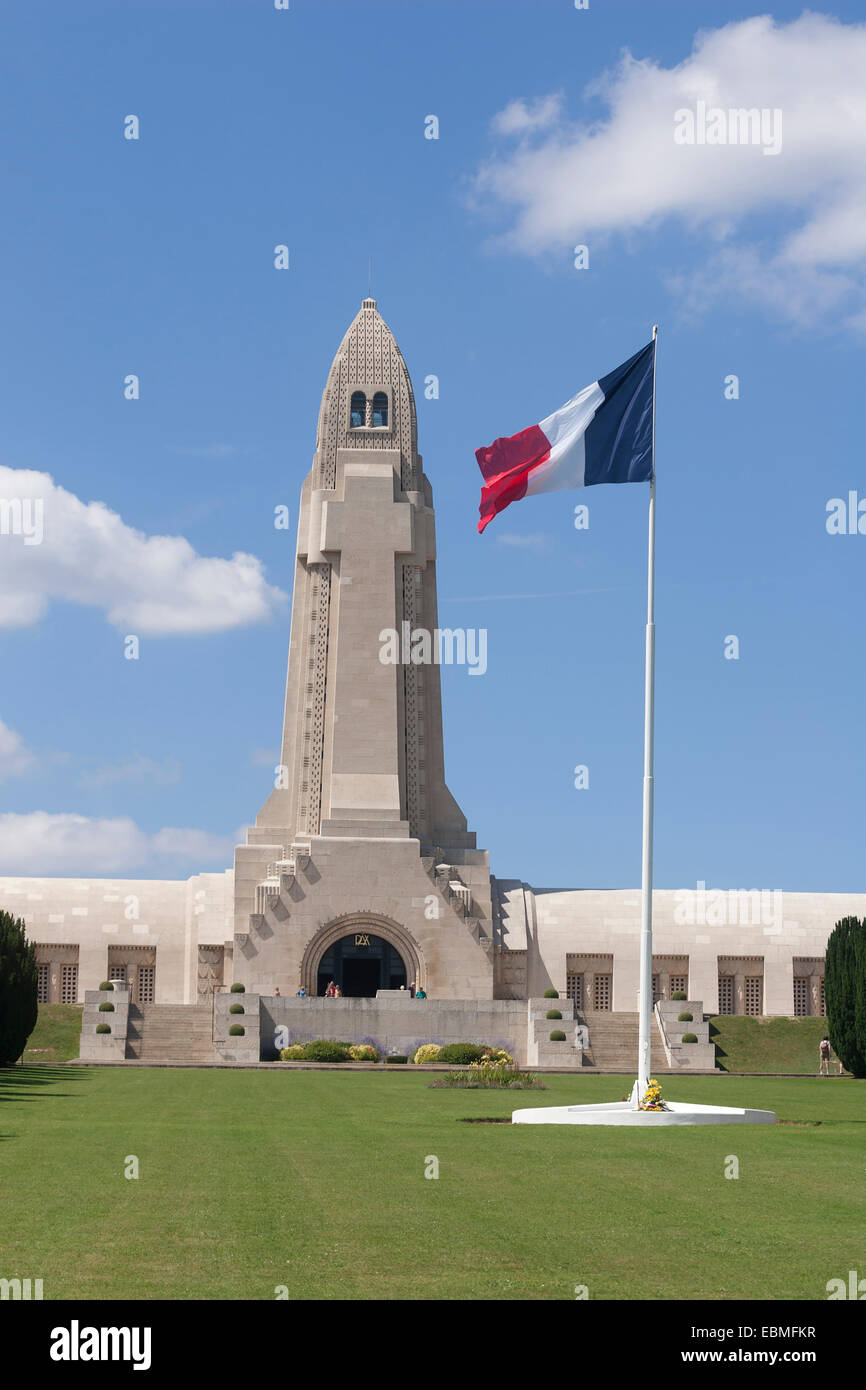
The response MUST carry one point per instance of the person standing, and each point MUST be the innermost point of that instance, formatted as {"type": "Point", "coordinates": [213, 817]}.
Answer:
{"type": "Point", "coordinates": [824, 1054]}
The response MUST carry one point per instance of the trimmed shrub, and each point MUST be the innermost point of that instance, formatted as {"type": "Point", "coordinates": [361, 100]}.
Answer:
{"type": "Point", "coordinates": [363, 1052]}
{"type": "Point", "coordinates": [690, 1037]}
{"type": "Point", "coordinates": [236, 1031]}
{"type": "Point", "coordinates": [553, 1013]}
{"type": "Point", "coordinates": [102, 1028]}
{"type": "Point", "coordinates": [551, 994]}
{"type": "Point", "coordinates": [293, 1053]}
{"type": "Point", "coordinates": [461, 1054]}
{"type": "Point", "coordinates": [18, 1007]}
{"type": "Point", "coordinates": [238, 989]}
{"type": "Point", "coordinates": [685, 1018]}
{"type": "Point", "coordinates": [106, 1008]}
{"type": "Point", "coordinates": [106, 984]}
{"type": "Point", "coordinates": [327, 1050]}
{"type": "Point", "coordinates": [427, 1052]}
{"type": "Point", "coordinates": [236, 1008]}
{"type": "Point", "coordinates": [557, 1035]}
{"type": "Point", "coordinates": [679, 994]}
{"type": "Point", "coordinates": [397, 1059]}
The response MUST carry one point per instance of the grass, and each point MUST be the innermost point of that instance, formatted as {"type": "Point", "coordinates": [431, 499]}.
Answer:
{"type": "Point", "coordinates": [767, 1044]}
{"type": "Point", "coordinates": [315, 1180]}
{"type": "Point", "coordinates": [57, 1034]}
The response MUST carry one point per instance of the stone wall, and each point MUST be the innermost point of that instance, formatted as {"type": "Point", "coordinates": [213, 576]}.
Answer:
{"type": "Point", "coordinates": [394, 1025]}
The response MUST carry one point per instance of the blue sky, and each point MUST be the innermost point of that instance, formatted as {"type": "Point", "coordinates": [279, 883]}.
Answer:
{"type": "Point", "coordinates": [306, 127]}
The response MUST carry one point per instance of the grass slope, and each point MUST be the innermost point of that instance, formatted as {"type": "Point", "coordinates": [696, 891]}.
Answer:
{"type": "Point", "coordinates": [57, 1034]}
{"type": "Point", "coordinates": [315, 1180]}
{"type": "Point", "coordinates": [767, 1044]}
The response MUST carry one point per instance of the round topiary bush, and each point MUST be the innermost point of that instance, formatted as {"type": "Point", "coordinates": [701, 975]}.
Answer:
{"type": "Point", "coordinates": [553, 1013]}
{"type": "Point", "coordinates": [427, 1052]}
{"type": "Point", "coordinates": [363, 1052]}
{"type": "Point", "coordinates": [102, 1028]}
{"type": "Point", "coordinates": [679, 994]}
{"type": "Point", "coordinates": [106, 984]}
{"type": "Point", "coordinates": [557, 1035]}
{"type": "Point", "coordinates": [238, 989]}
{"type": "Point", "coordinates": [684, 1018]}
{"type": "Point", "coordinates": [461, 1054]}
{"type": "Point", "coordinates": [551, 994]}
{"type": "Point", "coordinates": [293, 1053]}
{"type": "Point", "coordinates": [106, 1008]}
{"type": "Point", "coordinates": [396, 1059]}
{"type": "Point", "coordinates": [236, 1031]}
{"type": "Point", "coordinates": [239, 1008]}
{"type": "Point", "coordinates": [690, 1037]}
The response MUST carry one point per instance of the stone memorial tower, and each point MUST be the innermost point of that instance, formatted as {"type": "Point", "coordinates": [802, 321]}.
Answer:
{"type": "Point", "coordinates": [360, 867]}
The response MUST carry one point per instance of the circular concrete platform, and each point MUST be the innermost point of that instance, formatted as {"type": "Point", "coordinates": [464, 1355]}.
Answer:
{"type": "Point", "coordinates": [622, 1112]}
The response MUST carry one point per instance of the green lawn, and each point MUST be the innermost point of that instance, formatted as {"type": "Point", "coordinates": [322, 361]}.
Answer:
{"type": "Point", "coordinates": [767, 1044]}
{"type": "Point", "coordinates": [57, 1034]}
{"type": "Point", "coordinates": [315, 1180]}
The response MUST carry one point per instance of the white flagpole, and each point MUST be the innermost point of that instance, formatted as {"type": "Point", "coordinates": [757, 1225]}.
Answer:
{"type": "Point", "coordinates": [644, 1067]}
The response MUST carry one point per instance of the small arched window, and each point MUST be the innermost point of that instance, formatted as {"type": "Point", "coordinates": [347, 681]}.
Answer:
{"type": "Point", "coordinates": [380, 409]}
{"type": "Point", "coordinates": [358, 410]}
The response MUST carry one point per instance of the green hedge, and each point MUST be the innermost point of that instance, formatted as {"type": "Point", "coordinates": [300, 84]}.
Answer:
{"type": "Point", "coordinates": [236, 1031]}
{"type": "Point", "coordinates": [461, 1054]}
{"type": "Point", "coordinates": [106, 1008]}
{"type": "Point", "coordinates": [236, 1009]}
{"type": "Point", "coordinates": [238, 989]}
{"type": "Point", "coordinates": [557, 1035]}
{"type": "Point", "coordinates": [690, 1037]}
{"type": "Point", "coordinates": [551, 994]}
{"type": "Point", "coordinates": [679, 994]}
{"type": "Point", "coordinates": [106, 984]}
{"type": "Point", "coordinates": [685, 1018]}
{"type": "Point", "coordinates": [553, 1013]}
{"type": "Point", "coordinates": [102, 1028]}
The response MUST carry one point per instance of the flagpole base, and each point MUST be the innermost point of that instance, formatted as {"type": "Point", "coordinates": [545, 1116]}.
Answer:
{"type": "Point", "coordinates": [624, 1112]}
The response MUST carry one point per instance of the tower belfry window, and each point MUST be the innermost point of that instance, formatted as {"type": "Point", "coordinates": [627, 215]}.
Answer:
{"type": "Point", "coordinates": [380, 410]}
{"type": "Point", "coordinates": [358, 410]}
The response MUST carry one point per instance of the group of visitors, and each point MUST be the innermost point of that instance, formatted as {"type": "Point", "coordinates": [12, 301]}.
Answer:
{"type": "Point", "coordinates": [416, 991]}
{"type": "Point", "coordinates": [334, 992]}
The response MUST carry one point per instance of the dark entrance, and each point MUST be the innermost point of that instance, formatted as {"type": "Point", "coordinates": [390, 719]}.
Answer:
{"type": "Point", "coordinates": [361, 963]}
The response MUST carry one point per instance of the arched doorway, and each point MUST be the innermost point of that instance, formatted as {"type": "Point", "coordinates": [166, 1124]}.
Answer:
{"type": "Point", "coordinates": [361, 963]}
{"type": "Point", "coordinates": [390, 945]}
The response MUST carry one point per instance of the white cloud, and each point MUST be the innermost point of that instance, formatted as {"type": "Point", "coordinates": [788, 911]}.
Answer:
{"type": "Point", "coordinates": [42, 843]}
{"type": "Point", "coordinates": [136, 768]}
{"type": "Point", "coordinates": [624, 173]}
{"type": "Point", "coordinates": [156, 585]}
{"type": "Point", "coordinates": [520, 116]}
{"type": "Point", "coordinates": [14, 757]}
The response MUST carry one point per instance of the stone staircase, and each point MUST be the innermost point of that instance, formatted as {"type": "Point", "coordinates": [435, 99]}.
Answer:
{"type": "Point", "coordinates": [613, 1042]}
{"type": "Point", "coordinates": [170, 1033]}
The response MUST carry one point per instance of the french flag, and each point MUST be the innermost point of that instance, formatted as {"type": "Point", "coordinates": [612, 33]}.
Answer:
{"type": "Point", "coordinates": [604, 434]}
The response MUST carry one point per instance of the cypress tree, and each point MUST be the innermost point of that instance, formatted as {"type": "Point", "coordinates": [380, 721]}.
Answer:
{"type": "Point", "coordinates": [845, 993]}
{"type": "Point", "coordinates": [18, 1007]}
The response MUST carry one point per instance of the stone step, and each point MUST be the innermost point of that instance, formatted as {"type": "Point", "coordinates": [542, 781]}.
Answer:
{"type": "Point", "coordinates": [170, 1033]}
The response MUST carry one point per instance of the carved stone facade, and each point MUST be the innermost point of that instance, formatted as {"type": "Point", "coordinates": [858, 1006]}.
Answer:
{"type": "Point", "coordinates": [361, 790]}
